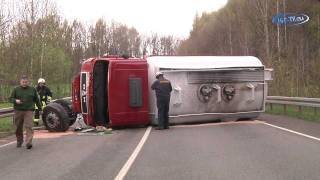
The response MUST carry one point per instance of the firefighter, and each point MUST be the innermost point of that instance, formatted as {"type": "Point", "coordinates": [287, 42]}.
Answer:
{"type": "Point", "coordinates": [45, 97]}
{"type": "Point", "coordinates": [163, 90]}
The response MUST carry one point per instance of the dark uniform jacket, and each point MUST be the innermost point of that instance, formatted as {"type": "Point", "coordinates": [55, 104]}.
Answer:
{"type": "Point", "coordinates": [163, 88]}
{"type": "Point", "coordinates": [44, 92]}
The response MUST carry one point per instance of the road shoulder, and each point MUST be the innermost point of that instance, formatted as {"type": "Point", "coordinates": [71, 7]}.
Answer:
{"type": "Point", "coordinates": [299, 125]}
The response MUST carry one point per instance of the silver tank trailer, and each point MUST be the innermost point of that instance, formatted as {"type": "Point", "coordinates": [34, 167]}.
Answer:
{"type": "Point", "coordinates": [208, 88]}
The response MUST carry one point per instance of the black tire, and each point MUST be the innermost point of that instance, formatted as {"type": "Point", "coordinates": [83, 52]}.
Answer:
{"type": "Point", "coordinates": [67, 105]}
{"type": "Point", "coordinates": [55, 118]}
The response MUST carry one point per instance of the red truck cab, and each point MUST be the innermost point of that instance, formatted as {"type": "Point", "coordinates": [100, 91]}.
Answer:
{"type": "Point", "coordinates": [112, 91]}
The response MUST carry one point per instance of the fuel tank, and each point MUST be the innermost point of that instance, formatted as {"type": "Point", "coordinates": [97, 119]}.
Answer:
{"type": "Point", "coordinates": [207, 88]}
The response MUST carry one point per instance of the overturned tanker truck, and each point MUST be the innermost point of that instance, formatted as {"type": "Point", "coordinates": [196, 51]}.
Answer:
{"type": "Point", "coordinates": [115, 92]}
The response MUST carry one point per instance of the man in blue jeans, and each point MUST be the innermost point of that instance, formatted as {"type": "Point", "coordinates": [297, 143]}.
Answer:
{"type": "Point", "coordinates": [163, 90]}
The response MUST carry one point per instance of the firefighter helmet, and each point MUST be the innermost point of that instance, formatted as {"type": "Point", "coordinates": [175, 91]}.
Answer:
{"type": "Point", "coordinates": [159, 74]}
{"type": "Point", "coordinates": [41, 80]}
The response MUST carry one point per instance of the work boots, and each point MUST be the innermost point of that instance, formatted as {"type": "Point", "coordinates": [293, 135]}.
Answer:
{"type": "Point", "coordinates": [19, 144]}
{"type": "Point", "coordinates": [29, 146]}
{"type": "Point", "coordinates": [36, 124]}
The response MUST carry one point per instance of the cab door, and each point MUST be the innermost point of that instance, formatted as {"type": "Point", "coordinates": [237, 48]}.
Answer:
{"type": "Point", "coordinates": [76, 101]}
{"type": "Point", "coordinates": [128, 92]}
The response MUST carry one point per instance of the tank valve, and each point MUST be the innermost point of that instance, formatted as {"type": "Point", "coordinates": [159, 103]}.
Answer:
{"type": "Point", "coordinates": [218, 89]}
{"type": "Point", "coordinates": [252, 88]}
{"type": "Point", "coordinates": [204, 93]}
{"type": "Point", "coordinates": [228, 92]}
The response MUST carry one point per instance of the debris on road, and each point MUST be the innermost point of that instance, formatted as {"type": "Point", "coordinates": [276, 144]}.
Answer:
{"type": "Point", "coordinates": [99, 130]}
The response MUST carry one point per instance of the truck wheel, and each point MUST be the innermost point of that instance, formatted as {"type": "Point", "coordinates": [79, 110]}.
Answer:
{"type": "Point", "coordinates": [67, 105]}
{"type": "Point", "coordinates": [55, 118]}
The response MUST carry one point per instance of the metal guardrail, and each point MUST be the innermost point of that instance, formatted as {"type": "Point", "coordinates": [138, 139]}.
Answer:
{"type": "Point", "coordinates": [7, 112]}
{"type": "Point", "coordinates": [294, 101]}
{"type": "Point", "coordinates": [281, 100]}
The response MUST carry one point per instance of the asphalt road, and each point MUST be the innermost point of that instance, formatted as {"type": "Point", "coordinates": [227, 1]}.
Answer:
{"type": "Point", "coordinates": [307, 127]}
{"type": "Point", "coordinates": [244, 150]}
{"type": "Point", "coordinates": [69, 156]}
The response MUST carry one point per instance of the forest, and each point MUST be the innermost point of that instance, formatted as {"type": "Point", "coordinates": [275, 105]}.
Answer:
{"type": "Point", "coordinates": [36, 40]}
{"type": "Point", "coordinates": [244, 27]}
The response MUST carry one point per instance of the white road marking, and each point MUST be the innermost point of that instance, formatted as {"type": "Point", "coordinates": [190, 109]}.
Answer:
{"type": "Point", "coordinates": [295, 132]}
{"type": "Point", "coordinates": [124, 170]}
{"type": "Point", "coordinates": [217, 124]}
{"type": "Point", "coordinates": [248, 122]}
{"type": "Point", "coordinates": [4, 145]}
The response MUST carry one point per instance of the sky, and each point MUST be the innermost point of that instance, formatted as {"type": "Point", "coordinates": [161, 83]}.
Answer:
{"type": "Point", "coordinates": [166, 17]}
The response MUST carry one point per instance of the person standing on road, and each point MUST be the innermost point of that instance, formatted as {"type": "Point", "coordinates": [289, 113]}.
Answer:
{"type": "Point", "coordinates": [163, 90]}
{"type": "Point", "coordinates": [45, 97]}
{"type": "Point", "coordinates": [24, 98]}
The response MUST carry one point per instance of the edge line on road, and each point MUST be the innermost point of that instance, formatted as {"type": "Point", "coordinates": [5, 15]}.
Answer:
{"type": "Point", "coordinates": [124, 170]}
{"type": "Point", "coordinates": [4, 145]}
{"type": "Point", "coordinates": [291, 131]}
{"type": "Point", "coordinates": [217, 124]}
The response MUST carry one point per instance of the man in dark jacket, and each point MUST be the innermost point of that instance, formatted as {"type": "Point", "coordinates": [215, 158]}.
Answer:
{"type": "Point", "coordinates": [24, 98]}
{"type": "Point", "coordinates": [163, 89]}
{"type": "Point", "coordinates": [45, 97]}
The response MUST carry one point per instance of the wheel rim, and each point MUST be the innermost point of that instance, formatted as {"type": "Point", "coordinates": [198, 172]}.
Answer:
{"type": "Point", "coordinates": [52, 120]}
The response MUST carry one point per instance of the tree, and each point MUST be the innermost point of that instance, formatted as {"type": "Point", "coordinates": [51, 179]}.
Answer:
{"type": "Point", "coordinates": [246, 29]}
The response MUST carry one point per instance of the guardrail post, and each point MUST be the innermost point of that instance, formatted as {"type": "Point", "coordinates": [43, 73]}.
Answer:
{"type": "Point", "coordinates": [285, 108]}
{"type": "Point", "coordinates": [271, 107]}
{"type": "Point", "coordinates": [300, 109]}
{"type": "Point", "coordinates": [315, 111]}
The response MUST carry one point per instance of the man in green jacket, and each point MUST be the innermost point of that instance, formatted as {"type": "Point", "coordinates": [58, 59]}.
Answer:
{"type": "Point", "coordinates": [24, 98]}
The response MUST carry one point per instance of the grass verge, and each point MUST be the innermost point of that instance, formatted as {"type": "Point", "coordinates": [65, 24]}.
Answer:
{"type": "Point", "coordinates": [5, 105]}
{"type": "Point", "coordinates": [305, 113]}
{"type": "Point", "coordinates": [6, 126]}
